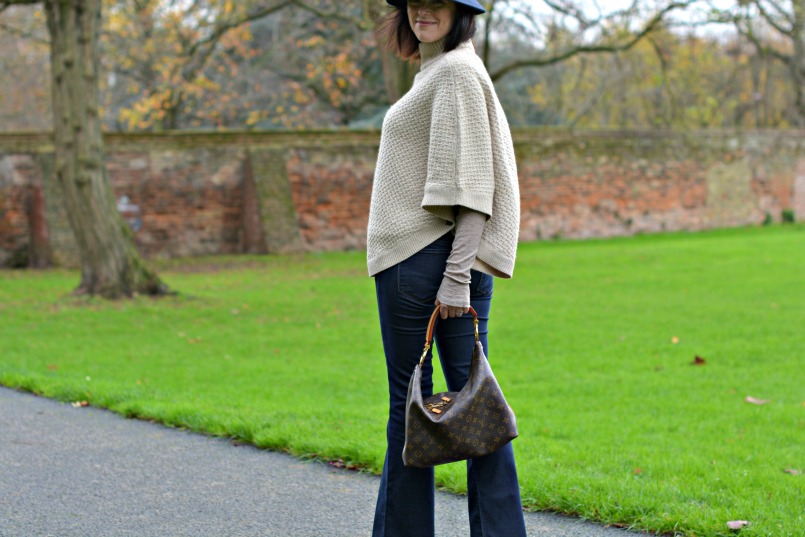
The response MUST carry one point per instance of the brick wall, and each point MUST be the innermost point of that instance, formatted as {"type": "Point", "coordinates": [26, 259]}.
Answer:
{"type": "Point", "coordinates": [312, 189]}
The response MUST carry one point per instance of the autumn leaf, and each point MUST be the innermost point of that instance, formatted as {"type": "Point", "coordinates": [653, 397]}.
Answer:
{"type": "Point", "coordinates": [792, 471]}
{"type": "Point", "coordinates": [698, 360]}
{"type": "Point", "coordinates": [754, 401]}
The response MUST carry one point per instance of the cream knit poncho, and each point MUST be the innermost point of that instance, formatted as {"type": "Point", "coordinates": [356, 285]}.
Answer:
{"type": "Point", "coordinates": [445, 143]}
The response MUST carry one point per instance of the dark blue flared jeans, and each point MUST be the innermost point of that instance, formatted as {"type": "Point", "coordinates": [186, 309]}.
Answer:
{"type": "Point", "coordinates": [405, 504]}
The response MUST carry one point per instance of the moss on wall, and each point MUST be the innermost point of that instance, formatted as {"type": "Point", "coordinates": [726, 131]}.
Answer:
{"type": "Point", "coordinates": [729, 192]}
{"type": "Point", "coordinates": [275, 200]}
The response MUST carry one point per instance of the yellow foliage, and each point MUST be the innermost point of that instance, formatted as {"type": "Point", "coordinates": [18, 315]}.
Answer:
{"type": "Point", "coordinates": [157, 42]}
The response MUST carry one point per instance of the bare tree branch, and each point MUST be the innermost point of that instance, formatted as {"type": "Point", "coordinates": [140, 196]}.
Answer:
{"type": "Point", "coordinates": [763, 48]}
{"type": "Point", "coordinates": [570, 10]}
{"type": "Point", "coordinates": [743, 25]}
{"type": "Point", "coordinates": [361, 23]}
{"type": "Point", "coordinates": [769, 18]}
{"type": "Point", "coordinates": [22, 33]}
{"type": "Point", "coordinates": [6, 3]}
{"type": "Point", "coordinates": [653, 23]}
{"type": "Point", "coordinates": [201, 50]}
{"type": "Point", "coordinates": [228, 25]}
{"type": "Point", "coordinates": [788, 17]}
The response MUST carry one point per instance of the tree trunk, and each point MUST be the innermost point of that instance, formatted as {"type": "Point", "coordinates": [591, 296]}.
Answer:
{"type": "Point", "coordinates": [397, 74]}
{"type": "Point", "coordinates": [798, 58]}
{"type": "Point", "coordinates": [110, 264]}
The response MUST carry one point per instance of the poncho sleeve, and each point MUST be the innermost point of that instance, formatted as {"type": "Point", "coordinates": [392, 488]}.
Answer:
{"type": "Point", "coordinates": [460, 161]}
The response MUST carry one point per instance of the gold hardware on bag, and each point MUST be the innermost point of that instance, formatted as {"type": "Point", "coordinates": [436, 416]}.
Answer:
{"type": "Point", "coordinates": [434, 407]}
{"type": "Point", "coordinates": [424, 354]}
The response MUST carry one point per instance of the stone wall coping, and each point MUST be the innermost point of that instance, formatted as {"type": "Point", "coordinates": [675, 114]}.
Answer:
{"type": "Point", "coordinates": [41, 141]}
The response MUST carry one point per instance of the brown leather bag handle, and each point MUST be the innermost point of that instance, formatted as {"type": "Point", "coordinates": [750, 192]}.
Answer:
{"type": "Point", "coordinates": [432, 323]}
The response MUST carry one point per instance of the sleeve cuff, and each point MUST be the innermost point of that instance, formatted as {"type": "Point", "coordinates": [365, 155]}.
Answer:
{"type": "Point", "coordinates": [452, 293]}
{"type": "Point", "coordinates": [440, 196]}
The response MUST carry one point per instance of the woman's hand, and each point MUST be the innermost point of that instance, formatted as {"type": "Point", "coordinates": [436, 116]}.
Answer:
{"type": "Point", "coordinates": [446, 311]}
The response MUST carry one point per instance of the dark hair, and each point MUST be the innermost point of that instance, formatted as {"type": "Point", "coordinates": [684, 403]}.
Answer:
{"type": "Point", "coordinates": [395, 34]}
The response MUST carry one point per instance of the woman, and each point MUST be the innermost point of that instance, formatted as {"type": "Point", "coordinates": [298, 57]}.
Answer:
{"type": "Point", "coordinates": [444, 219]}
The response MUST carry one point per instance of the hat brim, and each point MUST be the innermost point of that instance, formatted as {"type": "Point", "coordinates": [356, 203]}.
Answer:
{"type": "Point", "coordinates": [472, 5]}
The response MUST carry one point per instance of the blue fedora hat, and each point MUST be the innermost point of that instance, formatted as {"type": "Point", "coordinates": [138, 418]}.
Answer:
{"type": "Point", "coordinates": [473, 5]}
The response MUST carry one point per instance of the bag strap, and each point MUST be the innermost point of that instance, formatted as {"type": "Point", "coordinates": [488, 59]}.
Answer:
{"type": "Point", "coordinates": [432, 323]}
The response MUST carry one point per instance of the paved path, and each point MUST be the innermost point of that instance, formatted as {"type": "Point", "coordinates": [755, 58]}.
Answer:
{"type": "Point", "coordinates": [88, 472]}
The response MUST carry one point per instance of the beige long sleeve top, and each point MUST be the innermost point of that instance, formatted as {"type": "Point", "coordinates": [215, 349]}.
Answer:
{"type": "Point", "coordinates": [455, 287]}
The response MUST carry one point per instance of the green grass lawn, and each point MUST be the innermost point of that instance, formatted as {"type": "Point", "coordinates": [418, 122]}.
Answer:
{"type": "Point", "coordinates": [593, 344]}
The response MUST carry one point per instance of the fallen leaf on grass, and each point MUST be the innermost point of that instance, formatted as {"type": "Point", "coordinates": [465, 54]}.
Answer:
{"type": "Point", "coordinates": [792, 471]}
{"type": "Point", "coordinates": [341, 464]}
{"type": "Point", "coordinates": [754, 401]}
{"type": "Point", "coordinates": [698, 360]}
{"type": "Point", "coordinates": [638, 471]}
{"type": "Point", "coordinates": [674, 340]}
{"type": "Point", "coordinates": [737, 524]}
{"type": "Point", "coordinates": [79, 404]}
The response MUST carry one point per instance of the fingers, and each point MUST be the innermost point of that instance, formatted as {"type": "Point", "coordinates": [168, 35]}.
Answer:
{"type": "Point", "coordinates": [451, 312]}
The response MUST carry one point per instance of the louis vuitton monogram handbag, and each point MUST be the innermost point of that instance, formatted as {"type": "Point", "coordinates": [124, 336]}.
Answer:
{"type": "Point", "coordinates": [453, 426]}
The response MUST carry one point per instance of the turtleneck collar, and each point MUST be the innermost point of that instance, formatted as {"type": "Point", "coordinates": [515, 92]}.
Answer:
{"type": "Point", "coordinates": [428, 52]}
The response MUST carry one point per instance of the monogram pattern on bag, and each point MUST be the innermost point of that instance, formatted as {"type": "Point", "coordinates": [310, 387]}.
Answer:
{"type": "Point", "coordinates": [482, 428]}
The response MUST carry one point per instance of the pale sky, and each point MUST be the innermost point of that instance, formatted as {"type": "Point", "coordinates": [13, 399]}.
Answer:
{"type": "Point", "coordinates": [596, 8]}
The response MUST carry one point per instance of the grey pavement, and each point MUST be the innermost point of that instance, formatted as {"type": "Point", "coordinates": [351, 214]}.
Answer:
{"type": "Point", "coordinates": [87, 472]}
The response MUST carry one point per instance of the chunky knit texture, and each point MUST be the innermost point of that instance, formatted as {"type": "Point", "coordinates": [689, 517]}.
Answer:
{"type": "Point", "coordinates": [445, 143]}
